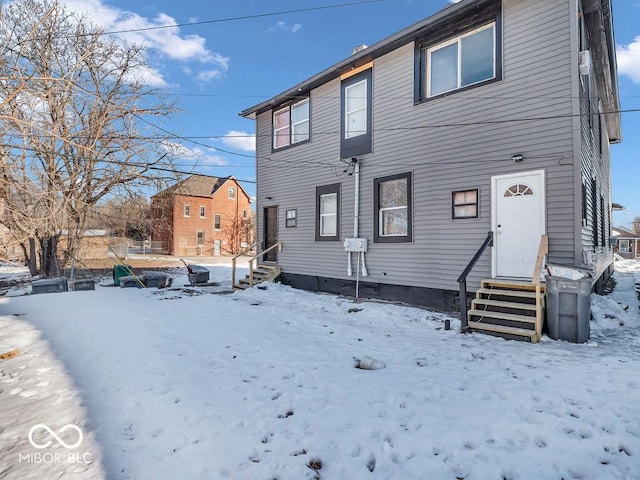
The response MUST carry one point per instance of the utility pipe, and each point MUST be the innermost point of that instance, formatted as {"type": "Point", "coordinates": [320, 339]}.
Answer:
{"type": "Point", "coordinates": [356, 213]}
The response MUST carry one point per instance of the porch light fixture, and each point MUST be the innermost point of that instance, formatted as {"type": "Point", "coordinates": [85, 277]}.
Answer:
{"type": "Point", "coordinates": [518, 157]}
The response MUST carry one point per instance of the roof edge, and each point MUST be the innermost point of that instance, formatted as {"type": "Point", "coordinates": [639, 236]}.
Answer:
{"type": "Point", "coordinates": [388, 44]}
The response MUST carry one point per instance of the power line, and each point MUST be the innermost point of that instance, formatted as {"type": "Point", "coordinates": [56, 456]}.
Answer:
{"type": "Point", "coordinates": [389, 97]}
{"type": "Point", "coordinates": [232, 19]}
{"type": "Point", "coordinates": [194, 138]}
{"type": "Point", "coordinates": [144, 166]}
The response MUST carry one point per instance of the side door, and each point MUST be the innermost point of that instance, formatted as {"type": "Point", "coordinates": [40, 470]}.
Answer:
{"type": "Point", "coordinates": [270, 218]}
{"type": "Point", "coordinates": [518, 222]}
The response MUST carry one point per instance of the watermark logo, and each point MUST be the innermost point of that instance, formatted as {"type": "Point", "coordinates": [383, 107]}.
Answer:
{"type": "Point", "coordinates": [53, 439]}
{"type": "Point", "coordinates": [42, 426]}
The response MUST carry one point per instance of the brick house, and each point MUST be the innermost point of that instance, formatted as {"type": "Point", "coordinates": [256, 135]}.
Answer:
{"type": "Point", "coordinates": [202, 215]}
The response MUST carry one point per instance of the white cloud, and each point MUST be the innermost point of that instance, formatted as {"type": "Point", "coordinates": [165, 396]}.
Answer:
{"type": "Point", "coordinates": [284, 27]}
{"type": "Point", "coordinates": [195, 154]}
{"type": "Point", "coordinates": [166, 43]}
{"type": "Point", "coordinates": [208, 75]}
{"type": "Point", "coordinates": [149, 76]}
{"type": "Point", "coordinates": [629, 59]}
{"type": "Point", "coordinates": [240, 141]}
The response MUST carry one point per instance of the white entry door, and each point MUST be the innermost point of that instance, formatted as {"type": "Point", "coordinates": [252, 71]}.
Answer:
{"type": "Point", "coordinates": [216, 247]}
{"type": "Point", "coordinates": [518, 222]}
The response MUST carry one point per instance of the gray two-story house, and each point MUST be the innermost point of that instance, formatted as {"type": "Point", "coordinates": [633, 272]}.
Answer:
{"type": "Point", "coordinates": [382, 175]}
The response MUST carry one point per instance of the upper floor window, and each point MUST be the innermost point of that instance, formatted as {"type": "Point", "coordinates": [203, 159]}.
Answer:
{"type": "Point", "coordinates": [216, 221]}
{"type": "Point", "coordinates": [355, 109]}
{"type": "Point", "coordinates": [392, 203]}
{"type": "Point", "coordinates": [356, 116]}
{"type": "Point", "coordinates": [328, 212]}
{"type": "Point", "coordinates": [461, 62]}
{"type": "Point", "coordinates": [291, 124]}
{"type": "Point", "coordinates": [472, 58]}
{"type": "Point", "coordinates": [187, 210]}
{"type": "Point", "coordinates": [232, 193]}
{"type": "Point", "coordinates": [244, 213]}
{"type": "Point", "coordinates": [202, 211]}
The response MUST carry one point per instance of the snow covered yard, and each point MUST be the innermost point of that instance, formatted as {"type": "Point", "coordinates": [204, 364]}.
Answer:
{"type": "Point", "coordinates": [261, 384]}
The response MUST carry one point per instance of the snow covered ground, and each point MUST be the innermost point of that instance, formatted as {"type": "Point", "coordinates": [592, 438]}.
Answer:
{"type": "Point", "coordinates": [191, 383]}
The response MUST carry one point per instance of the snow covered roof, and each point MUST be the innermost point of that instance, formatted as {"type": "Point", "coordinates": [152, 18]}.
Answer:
{"type": "Point", "coordinates": [621, 232]}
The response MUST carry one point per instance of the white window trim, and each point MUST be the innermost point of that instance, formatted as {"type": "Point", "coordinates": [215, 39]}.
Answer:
{"type": "Point", "coordinates": [187, 211]}
{"type": "Point", "coordinates": [291, 126]}
{"type": "Point", "coordinates": [381, 222]}
{"type": "Point", "coordinates": [276, 131]}
{"type": "Point", "coordinates": [458, 40]}
{"type": "Point", "coordinates": [219, 222]}
{"type": "Point", "coordinates": [348, 133]}
{"type": "Point", "coordinates": [296, 124]}
{"type": "Point", "coordinates": [198, 238]}
{"type": "Point", "coordinates": [202, 211]}
{"type": "Point", "coordinates": [229, 190]}
{"type": "Point", "coordinates": [326, 215]}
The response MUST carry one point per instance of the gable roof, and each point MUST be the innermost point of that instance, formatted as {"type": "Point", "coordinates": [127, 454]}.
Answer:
{"type": "Point", "coordinates": [621, 232]}
{"type": "Point", "coordinates": [200, 186]}
{"type": "Point", "coordinates": [235, 180]}
{"type": "Point", "coordinates": [193, 186]}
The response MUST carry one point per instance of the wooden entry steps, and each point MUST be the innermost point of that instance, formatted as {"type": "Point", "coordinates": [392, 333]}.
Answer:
{"type": "Point", "coordinates": [262, 273]}
{"type": "Point", "coordinates": [509, 309]}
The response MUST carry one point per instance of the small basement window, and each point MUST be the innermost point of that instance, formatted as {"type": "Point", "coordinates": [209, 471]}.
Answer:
{"type": "Point", "coordinates": [464, 204]}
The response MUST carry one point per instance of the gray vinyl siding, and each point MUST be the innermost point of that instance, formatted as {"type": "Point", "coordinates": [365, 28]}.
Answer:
{"type": "Point", "coordinates": [453, 143]}
{"type": "Point", "coordinates": [594, 166]}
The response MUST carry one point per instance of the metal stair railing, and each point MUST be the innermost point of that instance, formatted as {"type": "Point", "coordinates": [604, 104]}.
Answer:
{"type": "Point", "coordinates": [462, 282]}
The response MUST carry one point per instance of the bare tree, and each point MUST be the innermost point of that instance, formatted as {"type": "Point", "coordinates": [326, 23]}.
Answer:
{"type": "Point", "coordinates": [636, 225]}
{"type": "Point", "coordinates": [124, 216]}
{"type": "Point", "coordinates": [238, 232]}
{"type": "Point", "coordinates": [74, 111]}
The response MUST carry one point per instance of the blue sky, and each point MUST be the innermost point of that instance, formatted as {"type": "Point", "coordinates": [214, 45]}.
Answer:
{"type": "Point", "coordinates": [215, 70]}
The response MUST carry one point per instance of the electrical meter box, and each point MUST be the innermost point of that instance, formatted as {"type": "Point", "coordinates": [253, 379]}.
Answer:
{"type": "Point", "coordinates": [355, 244]}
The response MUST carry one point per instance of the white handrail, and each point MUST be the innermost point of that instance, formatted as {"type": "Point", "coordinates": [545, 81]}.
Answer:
{"type": "Point", "coordinates": [251, 260]}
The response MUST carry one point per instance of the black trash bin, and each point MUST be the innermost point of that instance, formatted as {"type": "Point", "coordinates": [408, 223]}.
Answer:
{"type": "Point", "coordinates": [198, 274]}
{"type": "Point", "coordinates": [568, 309]}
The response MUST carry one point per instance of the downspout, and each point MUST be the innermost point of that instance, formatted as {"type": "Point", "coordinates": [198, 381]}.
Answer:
{"type": "Point", "coordinates": [356, 218]}
{"type": "Point", "coordinates": [356, 209]}
{"type": "Point", "coordinates": [356, 213]}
